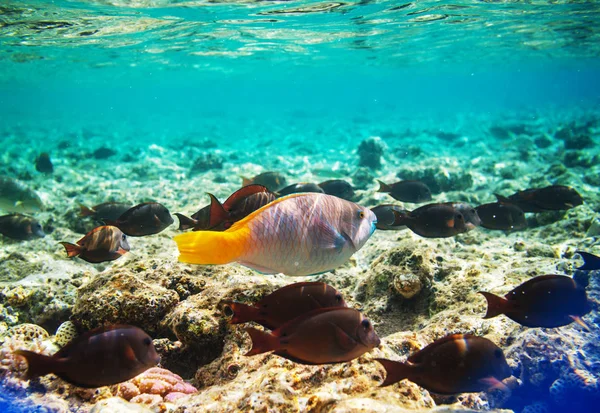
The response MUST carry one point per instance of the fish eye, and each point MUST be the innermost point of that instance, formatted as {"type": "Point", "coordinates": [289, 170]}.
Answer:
{"type": "Point", "coordinates": [124, 237]}
{"type": "Point", "coordinates": [460, 216]}
{"type": "Point", "coordinates": [498, 353]}
{"type": "Point", "coordinates": [472, 211]}
{"type": "Point", "coordinates": [365, 323]}
{"type": "Point", "coordinates": [361, 214]}
{"type": "Point", "coordinates": [147, 341]}
{"type": "Point", "coordinates": [338, 297]}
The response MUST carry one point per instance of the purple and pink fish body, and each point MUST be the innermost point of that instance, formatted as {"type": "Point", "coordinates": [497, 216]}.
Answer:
{"type": "Point", "coordinates": [297, 235]}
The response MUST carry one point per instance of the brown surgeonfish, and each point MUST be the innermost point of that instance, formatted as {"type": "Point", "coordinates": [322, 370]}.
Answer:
{"type": "Point", "coordinates": [101, 357]}
{"type": "Point", "coordinates": [144, 219]}
{"type": "Point", "coordinates": [458, 363]}
{"type": "Point", "coordinates": [407, 191]}
{"type": "Point", "coordinates": [591, 262]}
{"type": "Point", "coordinates": [432, 220]}
{"type": "Point", "coordinates": [502, 216]}
{"type": "Point", "coordinates": [274, 181]}
{"type": "Point", "coordinates": [322, 336]}
{"type": "Point", "coordinates": [544, 301]}
{"type": "Point", "coordinates": [219, 217]}
{"type": "Point", "coordinates": [21, 227]}
{"type": "Point", "coordinates": [105, 243]}
{"type": "Point", "coordinates": [299, 188]}
{"type": "Point", "coordinates": [285, 304]}
{"type": "Point", "coordinates": [105, 211]}
{"type": "Point", "coordinates": [339, 188]}
{"type": "Point", "coordinates": [469, 213]}
{"type": "Point", "coordinates": [550, 198]}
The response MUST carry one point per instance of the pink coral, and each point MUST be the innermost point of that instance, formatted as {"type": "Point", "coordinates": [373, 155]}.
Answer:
{"type": "Point", "coordinates": [155, 385]}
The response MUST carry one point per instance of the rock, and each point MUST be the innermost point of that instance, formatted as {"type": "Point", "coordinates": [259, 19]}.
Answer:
{"type": "Point", "coordinates": [206, 162]}
{"type": "Point", "coordinates": [370, 152]}
{"type": "Point", "coordinates": [103, 153]}
{"type": "Point", "coordinates": [363, 178]}
{"type": "Point", "coordinates": [119, 405]}
{"type": "Point", "coordinates": [440, 179]}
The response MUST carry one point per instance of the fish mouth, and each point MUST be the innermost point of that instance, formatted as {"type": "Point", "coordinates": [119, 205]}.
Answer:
{"type": "Point", "coordinates": [373, 227]}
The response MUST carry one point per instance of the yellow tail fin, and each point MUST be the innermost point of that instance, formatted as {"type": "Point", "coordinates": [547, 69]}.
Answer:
{"type": "Point", "coordinates": [211, 247]}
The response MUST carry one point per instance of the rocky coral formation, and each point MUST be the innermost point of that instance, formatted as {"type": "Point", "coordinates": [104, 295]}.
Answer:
{"type": "Point", "coordinates": [440, 178]}
{"type": "Point", "coordinates": [370, 152]}
{"type": "Point", "coordinates": [154, 386]}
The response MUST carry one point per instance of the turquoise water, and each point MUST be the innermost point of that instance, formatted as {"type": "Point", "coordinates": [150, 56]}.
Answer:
{"type": "Point", "coordinates": [295, 86]}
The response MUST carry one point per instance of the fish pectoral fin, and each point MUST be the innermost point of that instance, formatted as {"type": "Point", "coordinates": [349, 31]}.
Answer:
{"type": "Point", "coordinates": [493, 383]}
{"type": "Point", "coordinates": [342, 338]}
{"type": "Point", "coordinates": [329, 237]}
{"type": "Point", "coordinates": [579, 321]}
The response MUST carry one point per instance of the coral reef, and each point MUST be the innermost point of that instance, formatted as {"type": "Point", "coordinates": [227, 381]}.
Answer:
{"type": "Point", "coordinates": [206, 162]}
{"type": "Point", "coordinates": [370, 152]}
{"type": "Point", "coordinates": [440, 178]}
{"type": "Point", "coordinates": [154, 386]}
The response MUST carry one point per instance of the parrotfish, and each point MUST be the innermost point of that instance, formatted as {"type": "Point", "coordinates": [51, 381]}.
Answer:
{"type": "Point", "coordinates": [544, 301]}
{"type": "Point", "coordinates": [322, 336]}
{"type": "Point", "coordinates": [502, 216]}
{"type": "Point", "coordinates": [407, 191]}
{"type": "Point", "coordinates": [143, 219]}
{"type": "Point", "coordinates": [300, 234]}
{"type": "Point", "coordinates": [339, 188]}
{"type": "Point", "coordinates": [101, 357]}
{"type": "Point", "coordinates": [105, 243]}
{"type": "Point", "coordinates": [300, 187]}
{"type": "Point", "coordinates": [272, 180]}
{"type": "Point", "coordinates": [432, 221]}
{"type": "Point", "coordinates": [21, 227]}
{"type": "Point", "coordinates": [591, 262]}
{"type": "Point", "coordinates": [106, 211]}
{"type": "Point", "coordinates": [16, 197]}
{"type": "Point", "coordinates": [286, 304]}
{"type": "Point", "coordinates": [458, 363]}
{"type": "Point", "coordinates": [219, 217]}
{"type": "Point", "coordinates": [550, 198]}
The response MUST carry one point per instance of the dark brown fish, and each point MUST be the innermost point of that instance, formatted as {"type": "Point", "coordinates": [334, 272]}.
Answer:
{"type": "Point", "coordinates": [219, 217]}
{"type": "Point", "coordinates": [322, 336]}
{"type": "Point", "coordinates": [106, 211]}
{"type": "Point", "coordinates": [458, 363]}
{"type": "Point", "coordinates": [544, 301]}
{"type": "Point", "coordinates": [101, 244]}
{"type": "Point", "coordinates": [339, 188]}
{"type": "Point", "coordinates": [285, 304]}
{"type": "Point", "coordinates": [472, 219]}
{"type": "Point", "coordinates": [44, 164]}
{"type": "Point", "coordinates": [299, 188]}
{"type": "Point", "coordinates": [591, 262]}
{"type": "Point", "coordinates": [433, 221]}
{"type": "Point", "coordinates": [407, 191]}
{"type": "Point", "coordinates": [502, 216]}
{"type": "Point", "coordinates": [550, 198]}
{"type": "Point", "coordinates": [272, 180]}
{"type": "Point", "coordinates": [101, 357]}
{"type": "Point", "coordinates": [21, 227]}
{"type": "Point", "coordinates": [143, 219]}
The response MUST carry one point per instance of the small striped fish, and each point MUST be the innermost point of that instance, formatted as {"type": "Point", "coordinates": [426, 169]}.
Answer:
{"type": "Point", "coordinates": [300, 234]}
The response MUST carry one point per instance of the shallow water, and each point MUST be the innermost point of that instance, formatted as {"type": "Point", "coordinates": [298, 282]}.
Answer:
{"type": "Point", "coordinates": [476, 91]}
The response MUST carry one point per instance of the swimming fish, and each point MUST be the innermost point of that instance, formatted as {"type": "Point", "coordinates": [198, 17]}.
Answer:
{"type": "Point", "coordinates": [301, 187]}
{"type": "Point", "coordinates": [407, 191]}
{"type": "Point", "coordinates": [502, 216]}
{"type": "Point", "coordinates": [219, 217]}
{"type": "Point", "coordinates": [322, 336]}
{"type": "Point", "coordinates": [550, 198]}
{"type": "Point", "coordinates": [21, 227]}
{"type": "Point", "coordinates": [544, 301]}
{"type": "Point", "coordinates": [106, 243]}
{"type": "Point", "coordinates": [16, 197]}
{"type": "Point", "coordinates": [101, 357]}
{"type": "Point", "coordinates": [144, 219]}
{"type": "Point", "coordinates": [300, 234]}
{"type": "Point", "coordinates": [105, 211]}
{"type": "Point", "coordinates": [339, 188]}
{"type": "Point", "coordinates": [386, 217]}
{"type": "Point", "coordinates": [432, 221]}
{"type": "Point", "coordinates": [272, 180]}
{"type": "Point", "coordinates": [469, 213]}
{"type": "Point", "coordinates": [458, 363]}
{"type": "Point", "coordinates": [285, 304]}
{"type": "Point", "coordinates": [43, 163]}
{"type": "Point", "coordinates": [591, 262]}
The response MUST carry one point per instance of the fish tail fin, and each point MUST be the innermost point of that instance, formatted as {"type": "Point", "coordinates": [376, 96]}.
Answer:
{"type": "Point", "coordinates": [262, 341]}
{"type": "Point", "coordinates": [37, 364]}
{"type": "Point", "coordinates": [211, 247]}
{"type": "Point", "coordinates": [395, 371]}
{"type": "Point", "coordinates": [242, 313]}
{"type": "Point", "coordinates": [590, 261]}
{"type": "Point", "coordinates": [401, 217]}
{"type": "Point", "coordinates": [496, 305]}
{"type": "Point", "coordinates": [503, 199]}
{"type": "Point", "coordinates": [85, 211]}
{"type": "Point", "coordinates": [185, 222]}
{"type": "Point", "coordinates": [217, 212]}
{"type": "Point", "coordinates": [383, 187]}
{"type": "Point", "coordinates": [72, 249]}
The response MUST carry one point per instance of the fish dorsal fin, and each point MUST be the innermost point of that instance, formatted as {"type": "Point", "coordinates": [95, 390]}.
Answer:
{"type": "Point", "coordinates": [97, 229]}
{"type": "Point", "coordinates": [294, 286]}
{"type": "Point", "coordinates": [242, 223]}
{"type": "Point", "coordinates": [217, 213]}
{"type": "Point", "coordinates": [244, 192]}
{"type": "Point", "coordinates": [422, 354]}
{"type": "Point", "coordinates": [289, 326]}
{"type": "Point", "coordinates": [590, 261]}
